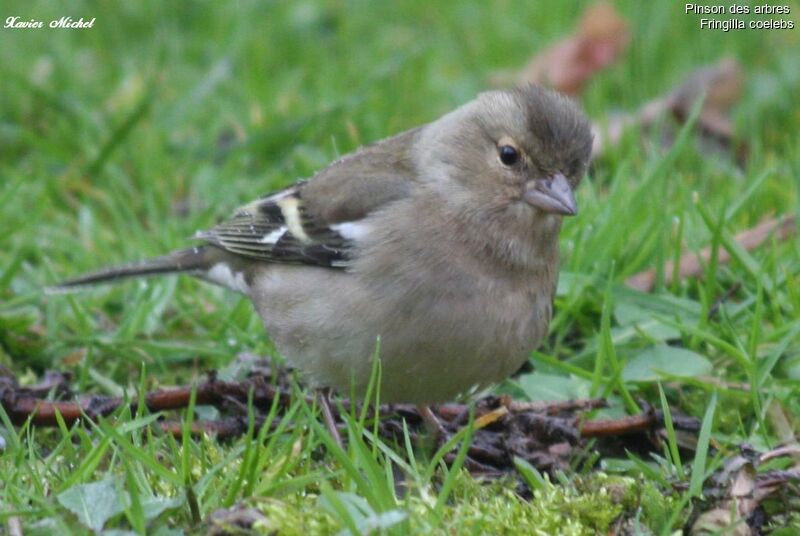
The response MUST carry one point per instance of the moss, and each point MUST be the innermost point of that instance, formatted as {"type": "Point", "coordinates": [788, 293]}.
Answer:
{"type": "Point", "coordinates": [299, 516]}
{"type": "Point", "coordinates": [785, 524]}
{"type": "Point", "coordinates": [656, 506]}
{"type": "Point", "coordinates": [590, 506]}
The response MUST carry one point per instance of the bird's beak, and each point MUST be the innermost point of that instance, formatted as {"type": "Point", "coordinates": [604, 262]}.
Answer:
{"type": "Point", "coordinates": [553, 195]}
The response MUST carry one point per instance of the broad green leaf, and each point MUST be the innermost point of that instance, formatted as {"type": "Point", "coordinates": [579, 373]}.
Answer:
{"type": "Point", "coordinates": [570, 282]}
{"type": "Point", "coordinates": [155, 506]}
{"type": "Point", "coordinates": [93, 503]}
{"type": "Point", "coordinates": [360, 513]}
{"type": "Point", "coordinates": [539, 386]}
{"type": "Point", "coordinates": [662, 361]}
{"type": "Point", "coordinates": [664, 304]}
{"type": "Point", "coordinates": [632, 316]}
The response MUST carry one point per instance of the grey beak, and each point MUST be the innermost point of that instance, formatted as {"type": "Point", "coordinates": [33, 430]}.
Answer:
{"type": "Point", "coordinates": [553, 194]}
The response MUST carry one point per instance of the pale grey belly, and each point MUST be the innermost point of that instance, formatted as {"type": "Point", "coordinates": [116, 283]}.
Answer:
{"type": "Point", "coordinates": [431, 349]}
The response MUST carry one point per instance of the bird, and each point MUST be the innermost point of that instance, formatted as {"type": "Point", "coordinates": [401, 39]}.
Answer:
{"type": "Point", "coordinates": [435, 250]}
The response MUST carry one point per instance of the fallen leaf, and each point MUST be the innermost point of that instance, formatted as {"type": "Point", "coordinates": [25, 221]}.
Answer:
{"type": "Point", "coordinates": [692, 264]}
{"type": "Point", "coordinates": [720, 85]}
{"type": "Point", "coordinates": [720, 521]}
{"type": "Point", "coordinates": [235, 520]}
{"type": "Point", "coordinates": [601, 37]}
{"type": "Point", "coordinates": [488, 418]}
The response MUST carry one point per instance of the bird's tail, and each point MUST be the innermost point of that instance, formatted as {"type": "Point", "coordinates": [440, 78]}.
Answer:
{"type": "Point", "coordinates": [197, 259]}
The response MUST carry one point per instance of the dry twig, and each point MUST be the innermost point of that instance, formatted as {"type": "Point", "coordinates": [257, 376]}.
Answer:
{"type": "Point", "coordinates": [542, 433]}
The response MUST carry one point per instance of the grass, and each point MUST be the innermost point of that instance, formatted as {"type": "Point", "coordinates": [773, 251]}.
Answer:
{"type": "Point", "coordinates": [118, 142]}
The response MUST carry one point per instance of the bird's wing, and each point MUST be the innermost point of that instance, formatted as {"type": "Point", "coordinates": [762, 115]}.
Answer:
{"type": "Point", "coordinates": [316, 222]}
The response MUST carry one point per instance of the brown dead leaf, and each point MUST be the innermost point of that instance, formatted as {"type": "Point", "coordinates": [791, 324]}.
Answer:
{"type": "Point", "coordinates": [601, 37]}
{"type": "Point", "coordinates": [742, 490]}
{"type": "Point", "coordinates": [737, 492]}
{"type": "Point", "coordinates": [720, 85]}
{"type": "Point", "coordinates": [721, 521]}
{"type": "Point", "coordinates": [691, 264]}
{"type": "Point", "coordinates": [238, 519]}
{"type": "Point", "coordinates": [730, 515]}
{"type": "Point", "coordinates": [781, 422]}
{"type": "Point", "coordinates": [75, 357]}
{"type": "Point", "coordinates": [489, 418]}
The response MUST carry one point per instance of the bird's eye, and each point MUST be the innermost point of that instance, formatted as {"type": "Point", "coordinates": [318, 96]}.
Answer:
{"type": "Point", "coordinates": [508, 155]}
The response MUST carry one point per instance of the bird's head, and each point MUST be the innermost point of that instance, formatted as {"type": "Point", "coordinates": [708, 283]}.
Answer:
{"type": "Point", "coordinates": [521, 151]}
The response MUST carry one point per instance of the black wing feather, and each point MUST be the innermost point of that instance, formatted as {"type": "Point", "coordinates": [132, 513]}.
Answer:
{"type": "Point", "coordinates": [262, 230]}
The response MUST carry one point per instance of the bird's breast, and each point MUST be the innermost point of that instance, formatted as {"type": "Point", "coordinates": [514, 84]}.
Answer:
{"type": "Point", "coordinates": [438, 334]}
